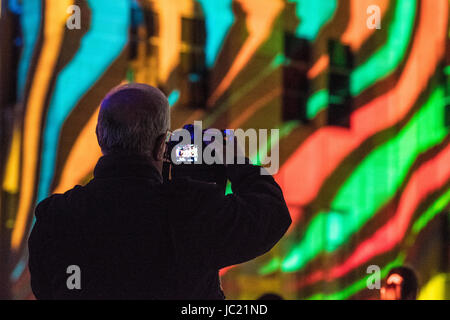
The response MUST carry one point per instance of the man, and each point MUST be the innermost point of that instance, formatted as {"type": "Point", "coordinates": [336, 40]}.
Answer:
{"type": "Point", "coordinates": [401, 284]}
{"type": "Point", "coordinates": [128, 235]}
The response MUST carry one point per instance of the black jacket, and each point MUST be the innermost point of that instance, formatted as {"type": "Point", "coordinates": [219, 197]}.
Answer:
{"type": "Point", "coordinates": [133, 236]}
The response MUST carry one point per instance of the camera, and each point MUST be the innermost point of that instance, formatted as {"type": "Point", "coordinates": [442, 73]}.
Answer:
{"type": "Point", "coordinates": [184, 160]}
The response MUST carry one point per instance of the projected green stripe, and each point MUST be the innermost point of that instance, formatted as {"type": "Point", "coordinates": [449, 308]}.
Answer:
{"type": "Point", "coordinates": [358, 285]}
{"type": "Point", "coordinates": [272, 266]}
{"type": "Point", "coordinates": [431, 212]}
{"type": "Point", "coordinates": [372, 184]}
{"type": "Point", "coordinates": [316, 103]}
{"type": "Point", "coordinates": [382, 63]}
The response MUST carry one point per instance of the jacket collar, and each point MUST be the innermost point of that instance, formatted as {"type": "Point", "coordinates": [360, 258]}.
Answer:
{"type": "Point", "coordinates": [115, 166]}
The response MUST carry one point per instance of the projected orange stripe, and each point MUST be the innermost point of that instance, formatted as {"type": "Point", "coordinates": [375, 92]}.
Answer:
{"type": "Point", "coordinates": [319, 66]}
{"type": "Point", "coordinates": [323, 151]}
{"type": "Point", "coordinates": [261, 15]}
{"type": "Point", "coordinates": [82, 158]}
{"type": "Point", "coordinates": [169, 38]}
{"type": "Point", "coordinates": [387, 237]}
{"type": "Point", "coordinates": [54, 27]}
{"type": "Point", "coordinates": [356, 33]}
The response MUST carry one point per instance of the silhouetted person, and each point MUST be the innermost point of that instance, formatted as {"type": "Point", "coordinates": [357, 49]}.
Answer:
{"type": "Point", "coordinates": [130, 235]}
{"type": "Point", "coordinates": [401, 284]}
{"type": "Point", "coordinates": [270, 296]}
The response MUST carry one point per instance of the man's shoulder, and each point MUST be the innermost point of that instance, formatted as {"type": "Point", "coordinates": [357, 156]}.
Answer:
{"type": "Point", "coordinates": [57, 200]}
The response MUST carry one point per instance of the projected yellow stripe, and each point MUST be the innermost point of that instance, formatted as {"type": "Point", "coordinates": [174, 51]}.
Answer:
{"type": "Point", "coordinates": [54, 27]}
{"type": "Point", "coordinates": [11, 180]}
{"type": "Point", "coordinates": [435, 289]}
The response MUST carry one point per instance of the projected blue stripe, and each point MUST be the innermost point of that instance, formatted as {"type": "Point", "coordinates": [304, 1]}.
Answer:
{"type": "Point", "coordinates": [14, 6]}
{"type": "Point", "coordinates": [101, 45]}
{"type": "Point", "coordinates": [30, 22]}
{"type": "Point", "coordinates": [173, 97]}
{"type": "Point", "coordinates": [18, 270]}
{"type": "Point", "coordinates": [218, 19]}
{"type": "Point", "coordinates": [313, 15]}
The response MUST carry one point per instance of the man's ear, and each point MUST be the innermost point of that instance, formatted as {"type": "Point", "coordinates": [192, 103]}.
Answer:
{"type": "Point", "coordinates": [159, 148]}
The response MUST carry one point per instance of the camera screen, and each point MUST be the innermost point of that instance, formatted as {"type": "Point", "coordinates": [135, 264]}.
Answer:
{"type": "Point", "coordinates": [187, 153]}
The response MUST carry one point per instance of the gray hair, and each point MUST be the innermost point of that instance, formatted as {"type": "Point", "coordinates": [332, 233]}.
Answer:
{"type": "Point", "coordinates": [131, 119]}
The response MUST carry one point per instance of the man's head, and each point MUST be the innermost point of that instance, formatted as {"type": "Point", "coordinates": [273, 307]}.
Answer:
{"type": "Point", "coordinates": [133, 120]}
{"type": "Point", "coordinates": [401, 284]}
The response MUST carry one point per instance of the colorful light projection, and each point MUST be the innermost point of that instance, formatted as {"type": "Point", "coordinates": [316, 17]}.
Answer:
{"type": "Point", "coordinates": [368, 194]}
